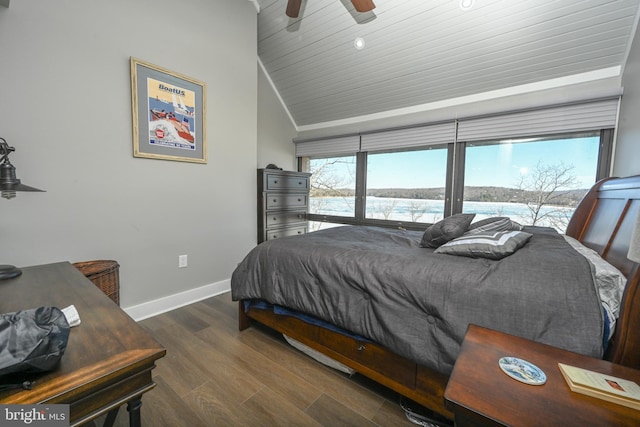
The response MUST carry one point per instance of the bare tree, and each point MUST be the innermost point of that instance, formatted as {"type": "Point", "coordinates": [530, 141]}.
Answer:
{"type": "Point", "coordinates": [542, 188]}
{"type": "Point", "coordinates": [386, 209]}
{"type": "Point", "coordinates": [326, 181]}
{"type": "Point", "coordinates": [417, 208]}
{"type": "Point", "coordinates": [498, 210]}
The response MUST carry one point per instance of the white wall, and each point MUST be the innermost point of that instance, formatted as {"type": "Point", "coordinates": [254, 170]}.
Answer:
{"type": "Point", "coordinates": [66, 107]}
{"type": "Point", "coordinates": [275, 129]}
{"type": "Point", "coordinates": [627, 155]}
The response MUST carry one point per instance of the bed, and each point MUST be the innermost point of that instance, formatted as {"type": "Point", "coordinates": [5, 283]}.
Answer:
{"type": "Point", "coordinates": [438, 299]}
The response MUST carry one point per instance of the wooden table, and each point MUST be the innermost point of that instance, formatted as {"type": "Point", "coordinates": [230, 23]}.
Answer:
{"type": "Point", "coordinates": [480, 394]}
{"type": "Point", "coordinates": [109, 357]}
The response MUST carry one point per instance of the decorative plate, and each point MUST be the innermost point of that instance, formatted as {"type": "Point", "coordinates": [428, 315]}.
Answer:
{"type": "Point", "coordinates": [522, 371]}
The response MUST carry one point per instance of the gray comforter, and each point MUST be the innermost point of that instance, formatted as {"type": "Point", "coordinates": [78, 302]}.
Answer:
{"type": "Point", "coordinates": [380, 284]}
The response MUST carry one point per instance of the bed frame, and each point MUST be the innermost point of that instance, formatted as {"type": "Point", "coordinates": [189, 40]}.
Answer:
{"type": "Point", "coordinates": [604, 221]}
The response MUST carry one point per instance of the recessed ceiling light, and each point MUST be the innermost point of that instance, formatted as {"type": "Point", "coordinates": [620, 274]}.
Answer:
{"type": "Point", "coordinates": [466, 4]}
{"type": "Point", "coordinates": [359, 43]}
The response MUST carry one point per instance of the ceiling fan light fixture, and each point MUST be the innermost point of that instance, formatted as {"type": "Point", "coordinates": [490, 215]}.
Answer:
{"type": "Point", "coordinates": [466, 4]}
{"type": "Point", "coordinates": [363, 5]}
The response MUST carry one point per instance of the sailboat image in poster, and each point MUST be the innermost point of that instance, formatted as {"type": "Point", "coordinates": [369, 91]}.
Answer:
{"type": "Point", "coordinates": [171, 115]}
{"type": "Point", "coordinates": [179, 107]}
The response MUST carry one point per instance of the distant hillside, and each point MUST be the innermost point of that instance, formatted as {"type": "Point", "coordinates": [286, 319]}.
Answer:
{"type": "Point", "coordinates": [473, 194]}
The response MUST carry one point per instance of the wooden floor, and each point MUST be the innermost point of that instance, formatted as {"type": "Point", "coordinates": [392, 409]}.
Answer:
{"type": "Point", "coordinates": [214, 375]}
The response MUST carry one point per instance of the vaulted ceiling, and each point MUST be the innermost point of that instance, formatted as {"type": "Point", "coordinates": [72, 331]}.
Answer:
{"type": "Point", "coordinates": [420, 52]}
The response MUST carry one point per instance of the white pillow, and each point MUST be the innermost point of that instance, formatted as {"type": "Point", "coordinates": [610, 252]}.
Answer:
{"type": "Point", "coordinates": [609, 280]}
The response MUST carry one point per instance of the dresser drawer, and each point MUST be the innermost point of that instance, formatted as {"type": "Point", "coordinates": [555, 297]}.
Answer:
{"type": "Point", "coordinates": [286, 201]}
{"type": "Point", "coordinates": [283, 182]}
{"type": "Point", "coordinates": [283, 203]}
{"type": "Point", "coordinates": [286, 232]}
{"type": "Point", "coordinates": [277, 219]}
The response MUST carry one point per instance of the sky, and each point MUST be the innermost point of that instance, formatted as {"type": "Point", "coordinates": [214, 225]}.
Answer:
{"type": "Point", "coordinates": [499, 165]}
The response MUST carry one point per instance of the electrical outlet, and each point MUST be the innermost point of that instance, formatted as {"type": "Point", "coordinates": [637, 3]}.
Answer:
{"type": "Point", "coordinates": [182, 261]}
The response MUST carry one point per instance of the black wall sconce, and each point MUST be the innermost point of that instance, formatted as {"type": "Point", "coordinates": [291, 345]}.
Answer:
{"type": "Point", "coordinates": [9, 184]}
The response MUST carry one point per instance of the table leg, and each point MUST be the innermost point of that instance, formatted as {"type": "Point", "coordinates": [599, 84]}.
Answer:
{"type": "Point", "coordinates": [111, 418]}
{"type": "Point", "coordinates": [133, 406]}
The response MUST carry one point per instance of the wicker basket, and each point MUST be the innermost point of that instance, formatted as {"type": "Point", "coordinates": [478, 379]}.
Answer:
{"type": "Point", "coordinates": [104, 274]}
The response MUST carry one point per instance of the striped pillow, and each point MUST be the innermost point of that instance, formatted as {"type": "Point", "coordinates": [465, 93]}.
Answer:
{"type": "Point", "coordinates": [496, 245]}
{"type": "Point", "coordinates": [496, 223]}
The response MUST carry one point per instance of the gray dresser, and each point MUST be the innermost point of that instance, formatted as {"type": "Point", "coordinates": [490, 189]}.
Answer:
{"type": "Point", "coordinates": [283, 202]}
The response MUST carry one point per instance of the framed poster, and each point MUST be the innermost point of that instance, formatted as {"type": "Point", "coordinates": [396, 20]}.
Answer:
{"type": "Point", "coordinates": [168, 114]}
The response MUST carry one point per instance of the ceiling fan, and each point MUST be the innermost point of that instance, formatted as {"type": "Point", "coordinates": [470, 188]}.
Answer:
{"type": "Point", "coordinates": [293, 7]}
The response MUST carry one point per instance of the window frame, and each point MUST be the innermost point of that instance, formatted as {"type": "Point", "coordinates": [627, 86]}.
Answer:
{"type": "Point", "coordinates": [359, 217]}
{"type": "Point", "coordinates": [454, 181]}
{"type": "Point", "coordinates": [605, 154]}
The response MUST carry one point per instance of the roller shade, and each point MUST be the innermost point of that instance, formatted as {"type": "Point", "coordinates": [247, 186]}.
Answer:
{"type": "Point", "coordinates": [587, 116]}
{"type": "Point", "coordinates": [337, 146]}
{"type": "Point", "coordinates": [569, 118]}
{"type": "Point", "coordinates": [409, 137]}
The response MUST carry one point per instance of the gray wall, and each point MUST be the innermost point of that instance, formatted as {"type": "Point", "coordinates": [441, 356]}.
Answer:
{"type": "Point", "coordinates": [275, 129]}
{"type": "Point", "coordinates": [66, 107]}
{"type": "Point", "coordinates": [627, 156]}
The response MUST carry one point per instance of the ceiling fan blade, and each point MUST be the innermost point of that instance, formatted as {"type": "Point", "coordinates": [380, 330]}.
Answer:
{"type": "Point", "coordinates": [363, 5]}
{"type": "Point", "coordinates": [293, 8]}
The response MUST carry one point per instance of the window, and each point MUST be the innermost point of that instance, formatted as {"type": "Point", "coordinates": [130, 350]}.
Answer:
{"type": "Point", "coordinates": [333, 188]}
{"type": "Point", "coordinates": [407, 186]}
{"type": "Point", "coordinates": [489, 165]}
{"type": "Point", "coordinates": [532, 181]}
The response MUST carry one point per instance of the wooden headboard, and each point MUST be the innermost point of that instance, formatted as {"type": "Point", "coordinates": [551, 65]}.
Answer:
{"type": "Point", "coordinates": [604, 221]}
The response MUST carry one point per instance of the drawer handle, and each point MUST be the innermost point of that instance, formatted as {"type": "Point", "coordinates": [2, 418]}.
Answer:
{"type": "Point", "coordinates": [299, 200]}
{"type": "Point", "coordinates": [275, 218]}
{"type": "Point", "coordinates": [300, 183]}
{"type": "Point", "coordinates": [275, 200]}
{"type": "Point", "coordinates": [299, 232]}
{"type": "Point", "coordinates": [361, 347]}
{"type": "Point", "coordinates": [275, 182]}
{"type": "Point", "coordinates": [275, 236]}
{"type": "Point", "coordinates": [300, 216]}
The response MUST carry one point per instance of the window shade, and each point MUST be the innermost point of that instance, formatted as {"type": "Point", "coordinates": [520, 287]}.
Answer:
{"type": "Point", "coordinates": [568, 118]}
{"type": "Point", "coordinates": [587, 116]}
{"type": "Point", "coordinates": [409, 137]}
{"type": "Point", "coordinates": [343, 145]}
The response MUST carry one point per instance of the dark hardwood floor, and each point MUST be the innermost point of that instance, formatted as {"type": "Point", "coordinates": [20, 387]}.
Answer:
{"type": "Point", "coordinates": [214, 375]}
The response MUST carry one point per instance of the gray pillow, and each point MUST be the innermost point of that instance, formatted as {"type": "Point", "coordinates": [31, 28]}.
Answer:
{"type": "Point", "coordinates": [495, 245]}
{"type": "Point", "coordinates": [449, 228]}
{"type": "Point", "coordinates": [496, 223]}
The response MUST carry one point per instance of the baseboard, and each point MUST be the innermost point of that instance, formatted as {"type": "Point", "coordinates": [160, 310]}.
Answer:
{"type": "Point", "coordinates": [171, 302]}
